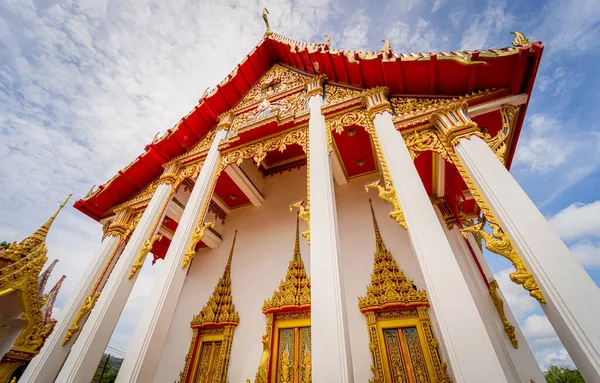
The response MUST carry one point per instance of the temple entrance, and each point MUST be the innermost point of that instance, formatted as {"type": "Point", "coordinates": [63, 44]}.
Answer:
{"type": "Point", "coordinates": [293, 345]}
{"type": "Point", "coordinates": [406, 360]}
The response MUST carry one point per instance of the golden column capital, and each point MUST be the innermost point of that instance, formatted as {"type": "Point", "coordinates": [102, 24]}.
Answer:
{"type": "Point", "coordinates": [119, 226]}
{"type": "Point", "coordinates": [314, 85]}
{"type": "Point", "coordinates": [225, 120]}
{"type": "Point", "coordinates": [375, 100]}
{"type": "Point", "coordinates": [453, 123]}
{"type": "Point", "coordinates": [170, 172]}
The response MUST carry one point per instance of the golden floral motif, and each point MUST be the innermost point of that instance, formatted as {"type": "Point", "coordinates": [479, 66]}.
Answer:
{"type": "Point", "coordinates": [498, 143]}
{"type": "Point", "coordinates": [268, 111]}
{"type": "Point", "coordinates": [425, 140]}
{"type": "Point", "coordinates": [335, 94]}
{"type": "Point", "coordinates": [258, 150]}
{"type": "Point", "coordinates": [499, 304]}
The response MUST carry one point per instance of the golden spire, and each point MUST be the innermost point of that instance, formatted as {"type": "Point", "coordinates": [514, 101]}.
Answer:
{"type": "Point", "coordinates": [42, 232]}
{"type": "Point", "coordinates": [389, 286]}
{"type": "Point", "coordinates": [294, 291]}
{"type": "Point", "coordinates": [219, 310]}
{"type": "Point", "coordinates": [378, 239]}
{"type": "Point", "coordinates": [227, 272]}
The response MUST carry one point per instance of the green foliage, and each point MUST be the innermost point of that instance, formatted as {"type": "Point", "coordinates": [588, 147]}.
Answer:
{"type": "Point", "coordinates": [4, 245]}
{"type": "Point", "coordinates": [563, 374]}
{"type": "Point", "coordinates": [110, 371]}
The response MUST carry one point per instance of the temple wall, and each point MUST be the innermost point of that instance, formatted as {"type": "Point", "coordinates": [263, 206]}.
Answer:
{"type": "Point", "coordinates": [263, 249]}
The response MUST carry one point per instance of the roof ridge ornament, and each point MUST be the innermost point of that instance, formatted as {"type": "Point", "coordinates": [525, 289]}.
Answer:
{"type": "Point", "coordinates": [520, 40]}
{"type": "Point", "coordinates": [268, 32]}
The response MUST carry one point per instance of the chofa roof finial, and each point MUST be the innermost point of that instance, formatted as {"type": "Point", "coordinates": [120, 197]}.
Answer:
{"type": "Point", "coordinates": [266, 19]}
{"type": "Point", "coordinates": [520, 40]}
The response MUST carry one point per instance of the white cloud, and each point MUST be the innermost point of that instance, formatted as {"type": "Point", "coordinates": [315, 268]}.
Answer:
{"type": "Point", "coordinates": [437, 4]}
{"type": "Point", "coordinates": [539, 149]}
{"type": "Point", "coordinates": [570, 27]}
{"type": "Point", "coordinates": [588, 254]}
{"type": "Point", "coordinates": [483, 28]}
{"type": "Point", "coordinates": [559, 358]}
{"type": "Point", "coordinates": [355, 33]}
{"type": "Point", "coordinates": [84, 85]}
{"type": "Point", "coordinates": [577, 221]}
{"type": "Point", "coordinates": [419, 38]}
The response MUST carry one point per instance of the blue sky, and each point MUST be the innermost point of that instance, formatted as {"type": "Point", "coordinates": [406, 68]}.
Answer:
{"type": "Point", "coordinates": [85, 84]}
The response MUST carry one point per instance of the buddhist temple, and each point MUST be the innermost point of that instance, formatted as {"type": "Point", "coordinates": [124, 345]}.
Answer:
{"type": "Point", "coordinates": [320, 216]}
{"type": "Point", "coordinates": [25, 311]}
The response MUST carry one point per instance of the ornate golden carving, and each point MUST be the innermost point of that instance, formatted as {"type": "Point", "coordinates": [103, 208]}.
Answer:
{"type": "Point", "coordinates": [453, 123]}
{"type": "Point", "coordinates": [87, 306]}
{"type": "Point", "coordinates": [386, 46]}
{"type": "Point", "coordinates": [276, 80]}
{"type": "Point", "coordinates": [258, 150]}
{"type": "Point", "coordinates": [217, 317]}
{"type": "Point", "coordinates": [196, 237]}
{"type": "Point", "coordinates": [146, 248]}
{"type": "Point", "coordinates": [314, 85]}
{"type": "Point", "coordinates": [290, 302]}
{"type": "Point", "coordinates": [520, 40]}
{"type": "Point", "coordinates": [303, 214]}
{"type": "Point", "coordinates": [425, 140]}
{"type": "Point", "coordinates": [335, 94]}
{"type": "Point", "coordinates": [294, 291]}
{"type": "Point", "coordinates": [20, 267]}
{"type": "Point", "coordinates": [447, 214]}
{"type": "Point", "coordinates": [498, 144]}
{"type": "Point", "coordinates": [268, 111]}
{"type": "Point", "coordinates": [508, 327]}
{"type": "Point", "coordinates": [8, 368]}
{"type": "Point", "coordinates": [393, 298]}
{"type": "Point", "coordinates": [375, 100]}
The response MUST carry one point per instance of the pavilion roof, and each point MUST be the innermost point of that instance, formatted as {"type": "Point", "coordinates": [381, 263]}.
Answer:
{"type": "Point", "coordinates": [411, 74]}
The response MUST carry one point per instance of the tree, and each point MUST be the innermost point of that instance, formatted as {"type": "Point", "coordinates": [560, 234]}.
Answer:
{"type": "Point", "coordinates": [563, 374]}
{"type": "Point", "coordinates": [4, 245]}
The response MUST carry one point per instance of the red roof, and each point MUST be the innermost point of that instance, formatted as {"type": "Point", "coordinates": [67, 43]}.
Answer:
{"type": "Point", "coordinates": [414, 74]}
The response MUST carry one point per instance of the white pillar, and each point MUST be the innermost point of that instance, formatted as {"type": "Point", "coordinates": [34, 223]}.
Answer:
{"type": "Point", "coordinates": [462, 334]}
{"type": "Point", "coordinates": [331, 358]}
{"type": "Point", "coordinates": [46, 365]}
{"type": "Point", "coordinates": [89, 347]}
{"type": "Point", "coordinates": [519, 364]}
{"type": "Point", "coordinates": [145, 349]}
{"type": "Point", "coordinates": [572, 298]}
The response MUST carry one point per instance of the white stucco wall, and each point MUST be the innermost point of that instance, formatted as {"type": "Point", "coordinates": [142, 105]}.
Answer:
{"type": "Point", "coordinates": [264, 247]}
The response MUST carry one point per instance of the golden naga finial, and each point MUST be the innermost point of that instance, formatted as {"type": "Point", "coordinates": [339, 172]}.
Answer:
{"type": "Point", "coordinates": [520, 40]}
{"type": "Point", "coordinates": [266, 19]}
{"type": "Point", "coordinates": [90, 192]}
{"type": "Point", "coordinates": [327, 40]}
{"type": "Point", "coordinates": [386, 46]}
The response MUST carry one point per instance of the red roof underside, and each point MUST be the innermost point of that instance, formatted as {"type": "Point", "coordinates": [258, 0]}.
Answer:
{"type": "Point", "coordinates": [425, 78]}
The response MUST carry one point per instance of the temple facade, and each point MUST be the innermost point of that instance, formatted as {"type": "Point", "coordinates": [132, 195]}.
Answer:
{"type": "Point", "coordinates": [320, 216]}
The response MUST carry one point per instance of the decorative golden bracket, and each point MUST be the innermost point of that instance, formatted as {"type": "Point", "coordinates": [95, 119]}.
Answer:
{"type": "Point", "coordinates": [88, 305]}
{"type": "Point", "coordinates": [389, 194]}
{"type": "Point", "coordinates": [142, 255]}
{"type": "Point", "coordinates": [303, 214]}
{"type": "Point", "coordinates": [508, 327]}
{"type": "Point", "coordinates": [196, 237]}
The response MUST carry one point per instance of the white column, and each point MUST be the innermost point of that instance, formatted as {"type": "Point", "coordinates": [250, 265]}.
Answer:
{"type": "Point", "coordinates": [331, 358]}
{"type": "Point", "coordinates": [462, 334]}
{"type": "Point", "coordinates": [572, 298]}
{"type": "Point", "coordinates": [145, 349]}
{"type": "Point", "coordinates": [519, 364]}
{"type": "Point", "coordinates": [46, 365]}
{"type": "Point", "coordinates": [89, 347]}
